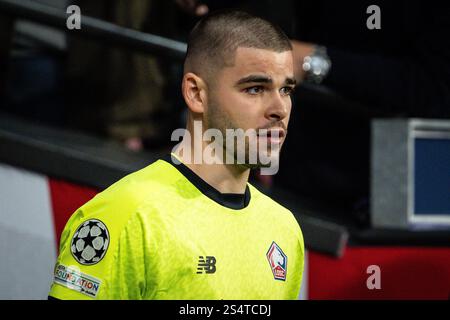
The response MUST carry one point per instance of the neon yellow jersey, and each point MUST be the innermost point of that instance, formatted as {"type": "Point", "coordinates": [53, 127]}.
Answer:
{"type": "Point", "coordinates": [164, 233]}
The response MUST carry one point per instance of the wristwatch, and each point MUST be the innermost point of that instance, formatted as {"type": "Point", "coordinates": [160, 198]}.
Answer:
{"type": "Point", "coordinates": [316, 65]}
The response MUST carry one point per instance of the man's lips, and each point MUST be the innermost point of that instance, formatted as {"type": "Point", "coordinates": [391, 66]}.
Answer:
{"type": "Point", "coordinates": [275, 136]}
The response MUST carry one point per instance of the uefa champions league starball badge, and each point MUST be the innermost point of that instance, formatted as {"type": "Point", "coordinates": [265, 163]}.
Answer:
{"type": "Point", "coordinates": [90, 242]}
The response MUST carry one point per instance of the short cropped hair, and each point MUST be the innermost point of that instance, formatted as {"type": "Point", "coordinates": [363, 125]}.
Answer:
{"type": "Point", "coordinates": [213, 41]}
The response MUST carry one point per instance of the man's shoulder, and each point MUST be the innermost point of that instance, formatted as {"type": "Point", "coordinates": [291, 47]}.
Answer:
{"type": "Point", "coordinates": [267, 201]}
{"type": "Point", "coordinates": [118, 205]}
{"type": "Point", "coordinates": [129, 194]}
{"type": "Point", "coordinates": [274, 209]}
{"type": "Point", "coordinates": [143, 184]}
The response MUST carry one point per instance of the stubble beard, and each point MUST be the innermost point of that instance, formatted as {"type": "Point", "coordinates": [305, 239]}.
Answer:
{"type": "Point", "coordinates": [217, 119]}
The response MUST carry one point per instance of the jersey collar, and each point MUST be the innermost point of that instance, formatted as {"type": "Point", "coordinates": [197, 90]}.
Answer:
{"type": "Point", "coordinates": [234, 201]}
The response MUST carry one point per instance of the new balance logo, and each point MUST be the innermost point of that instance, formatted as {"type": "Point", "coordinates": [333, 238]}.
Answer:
{"type": "Point", "coordinates": [206, 264]}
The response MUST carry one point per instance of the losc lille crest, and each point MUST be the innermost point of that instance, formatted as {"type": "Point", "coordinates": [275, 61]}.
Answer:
{"type": "Point", "coordinates": [278, 261]}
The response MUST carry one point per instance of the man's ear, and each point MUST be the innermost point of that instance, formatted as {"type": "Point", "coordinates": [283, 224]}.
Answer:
{"type": "Point", "coordinates": [194, 91]}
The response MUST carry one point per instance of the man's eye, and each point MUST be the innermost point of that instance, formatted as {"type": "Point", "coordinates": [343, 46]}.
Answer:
{"type": "Point", "coordinates": [254, 90]}
{"type": "Point", "coordinates": [287, 91]}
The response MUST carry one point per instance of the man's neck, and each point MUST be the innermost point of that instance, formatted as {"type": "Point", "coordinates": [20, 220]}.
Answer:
{"type": "Point", "coordinates": [226, 178]}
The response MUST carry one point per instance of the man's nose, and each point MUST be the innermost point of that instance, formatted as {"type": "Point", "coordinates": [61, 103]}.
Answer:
{"type": "Point", "coordinates": [278, 107]}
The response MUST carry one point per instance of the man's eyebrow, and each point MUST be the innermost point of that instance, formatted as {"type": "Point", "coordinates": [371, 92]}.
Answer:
{"type": "Point", "coordinates": [264, 79]}
{"type": "Point", "coordinates": [291, 81]}
{"type": "Point", "coordinates": [255, 78]}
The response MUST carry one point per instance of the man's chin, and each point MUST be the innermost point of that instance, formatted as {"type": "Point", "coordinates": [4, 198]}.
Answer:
{"type": "Point", "coordinates": [266, 162]}
{"type": "Point", "coordinates": [252, 166]}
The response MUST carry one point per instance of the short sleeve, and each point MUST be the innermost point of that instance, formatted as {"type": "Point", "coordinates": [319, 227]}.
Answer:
{"type": "Point", "coordinates": [101, 257]}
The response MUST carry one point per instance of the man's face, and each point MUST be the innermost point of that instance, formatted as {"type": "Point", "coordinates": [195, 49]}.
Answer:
{"type": "Point", "coordinates": [254, 93]}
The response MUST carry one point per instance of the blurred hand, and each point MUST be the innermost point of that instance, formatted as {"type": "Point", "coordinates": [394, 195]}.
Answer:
{"type": "Point", "coordinates": [193, 7]}
{"type": "Point", "coordinates": [301, 50]}
{"type": "Point", "coordinates": [134, 144]}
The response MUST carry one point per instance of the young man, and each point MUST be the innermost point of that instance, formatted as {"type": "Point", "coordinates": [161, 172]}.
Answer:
{"type": "Point", "coordinates": [194, 230]}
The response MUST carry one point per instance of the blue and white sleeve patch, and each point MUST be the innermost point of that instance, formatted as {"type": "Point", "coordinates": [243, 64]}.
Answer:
{"type": "Point", "coordinates": [73, 279]}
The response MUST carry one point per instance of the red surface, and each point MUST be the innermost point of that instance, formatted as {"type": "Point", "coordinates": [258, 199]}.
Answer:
{"type": "Point", "coordinates": [66, 198]}
{"type": "Point", "coordinates": [406, 273]}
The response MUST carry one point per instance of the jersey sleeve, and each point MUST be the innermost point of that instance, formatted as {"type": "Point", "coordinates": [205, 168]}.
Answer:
{"type": "Point", "coordinates": [101, 255]}
{"type": "Point", "coordinates": [296, 277]}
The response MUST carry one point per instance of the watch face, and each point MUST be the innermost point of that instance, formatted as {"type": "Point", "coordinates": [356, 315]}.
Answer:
{"type": "Point", "coordinates": [319, 65]}
{"type": "Point", "coordinates": [316, 66]}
